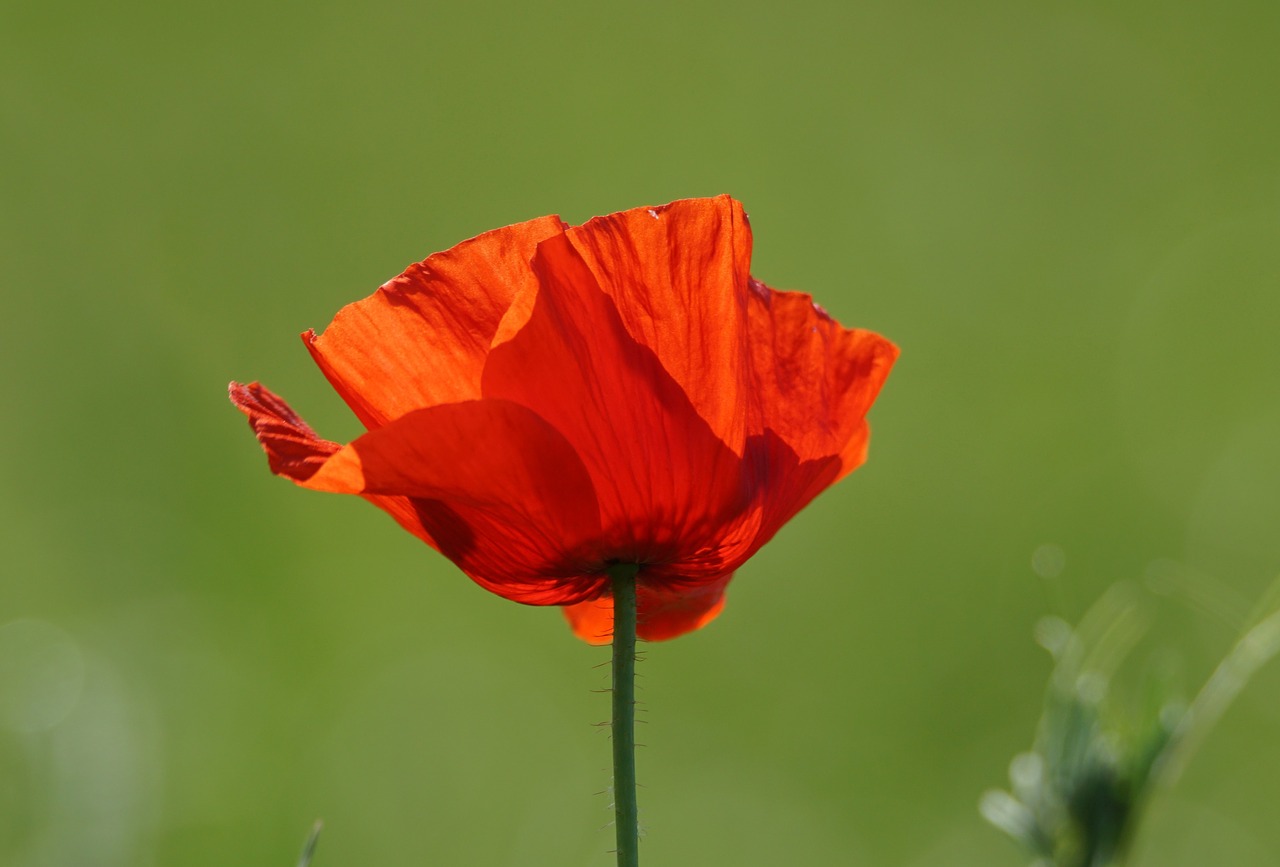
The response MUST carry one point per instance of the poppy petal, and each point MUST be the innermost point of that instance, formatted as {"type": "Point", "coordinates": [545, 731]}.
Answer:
{"type": "Point", "coordinates": [500, 491]}
{"type": "Point", "coordinates": [668, 487]}
{"type": "Point", "coordinates": [786, 483]}
{"type": "Point", "coordinates": [663, 612]}
{"type": "Point", "coordinates": [295, 452]}
{"type": "Point", "coordinates": [676, 275]}
{"type": "Point", "coordinates": [293, 449]}
{"type": "Point", "coordinates": [816, 380]}
{"type": "Point", "coordinates": [422, 338]}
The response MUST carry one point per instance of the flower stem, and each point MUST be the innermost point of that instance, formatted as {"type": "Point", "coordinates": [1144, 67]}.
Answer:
{"type": "Point", "coordinates": [626, 821]}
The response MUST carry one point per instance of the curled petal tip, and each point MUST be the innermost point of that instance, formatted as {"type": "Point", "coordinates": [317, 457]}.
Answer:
{"type": "Point", "coordinates": [293, 449]}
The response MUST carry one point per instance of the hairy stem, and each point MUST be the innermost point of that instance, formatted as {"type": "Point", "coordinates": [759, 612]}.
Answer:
{"type": "Point", "coordinates": [626, 822]}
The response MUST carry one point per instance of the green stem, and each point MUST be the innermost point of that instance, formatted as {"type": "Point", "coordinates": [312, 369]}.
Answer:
{"type": "Point", "coordinates": [626, 821]}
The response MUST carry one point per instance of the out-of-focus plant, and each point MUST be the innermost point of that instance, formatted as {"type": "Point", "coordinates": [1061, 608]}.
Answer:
{"type": "Point", "coordinates": [1103, 747]}
{"type": "Point", "coordinates": [309, 848]}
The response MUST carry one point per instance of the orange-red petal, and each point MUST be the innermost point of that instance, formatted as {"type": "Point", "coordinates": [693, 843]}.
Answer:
{"type": "Point", "coordinates": [663, 612]}
{"type": "Point", "coordinates": [501, 492]}
{"type": "Point", "coordinates": [670, 490]}
{"type": "Point", "coordinates": [488, 483]}
{"type": "Point", "coordinates": [815, 379]}
{"type": "Point", "coordinates": [295, 452]}
{"type": "Point", "coordinates": [423, 337]}
{"type": "Point", "coordinates": [293, 449]}
{"type": "Point", "coordinates": [677, 275]}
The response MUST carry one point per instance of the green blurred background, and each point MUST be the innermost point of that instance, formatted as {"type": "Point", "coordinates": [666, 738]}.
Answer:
{"type": "Point", "coordinates": [1068, 216]}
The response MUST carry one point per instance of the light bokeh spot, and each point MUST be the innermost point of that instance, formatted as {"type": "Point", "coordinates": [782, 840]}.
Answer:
{"type": "Point", "coordinates": [1048, 561]}
{"type": "Point", "coordinates": [41, 675]}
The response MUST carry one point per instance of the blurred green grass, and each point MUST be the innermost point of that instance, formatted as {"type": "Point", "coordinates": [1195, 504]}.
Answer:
{"type": "Point", "coordinates": [1066, 216]}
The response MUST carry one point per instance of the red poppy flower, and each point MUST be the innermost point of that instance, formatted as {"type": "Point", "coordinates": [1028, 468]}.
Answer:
{"type": "Point", "coordinates": [545, 401]}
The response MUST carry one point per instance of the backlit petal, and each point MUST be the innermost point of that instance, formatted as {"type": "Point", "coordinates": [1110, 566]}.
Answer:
{"type": "Point", "coordinates": [669, 488]}
{"type": "Point", "coordinates": [815, 379]}
{"type": "Point", "coordinates": [500, 491]}
{"type": "Point", "coordinates": [422, 338]}
{"type": "Point", "coordinates": [293, 449]}
{"type": "Point", "coordinates": [677, 275]}
{"type": "Point", "coordinates": [295, 452]}
{"type": "Point", "coordinates": [786, 484]}
{"type": "Point", "coordinates": [662, 612]}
